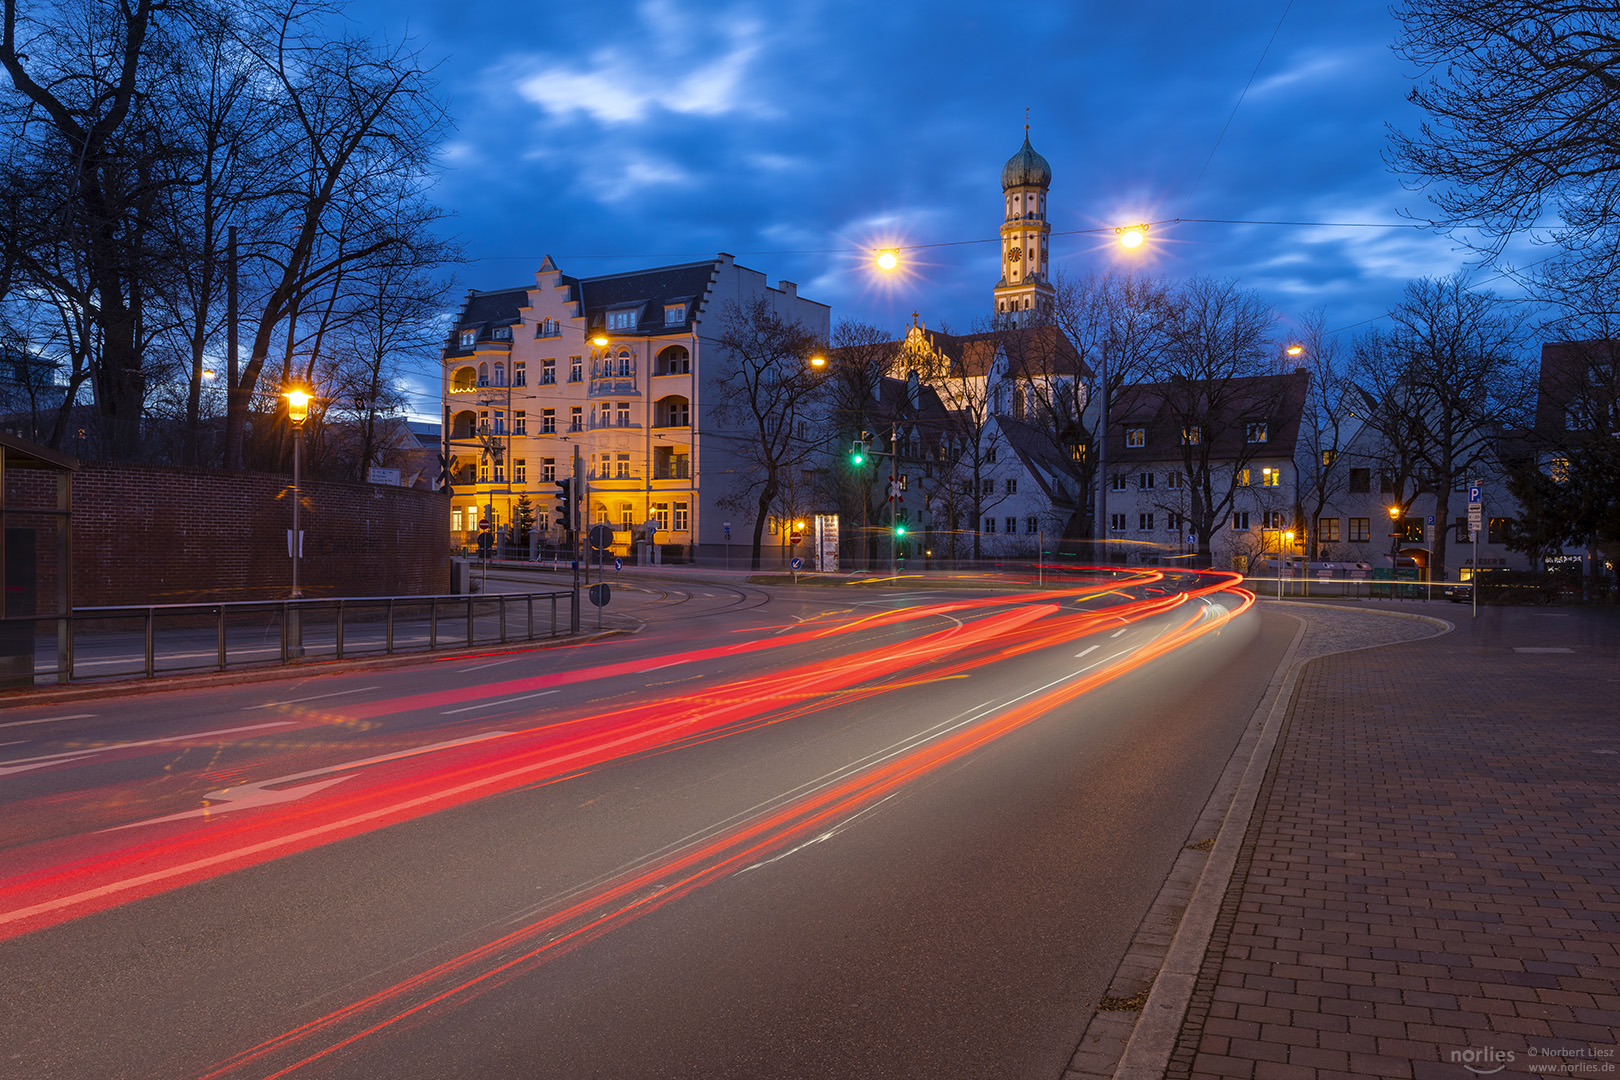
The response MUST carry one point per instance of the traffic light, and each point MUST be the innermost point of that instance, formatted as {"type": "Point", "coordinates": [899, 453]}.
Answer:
{"type": "Point", "coordinates": [565, 503]}
{"type": "Point", "coordinates": [857, 453]}
{"type": "Point", "coordinates": [900, 529]}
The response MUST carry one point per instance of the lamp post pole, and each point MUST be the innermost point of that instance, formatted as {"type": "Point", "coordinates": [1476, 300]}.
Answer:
{"type": "Point", "coordinates": [297, 412]}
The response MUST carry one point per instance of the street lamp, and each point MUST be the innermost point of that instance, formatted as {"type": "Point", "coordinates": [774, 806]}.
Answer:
{"type": "Point", "coordinates": [297, 412]}
{"type": "Point", "coordinates": [888, 259]}
{"type": "Point", "coordinates": [1132, 236]}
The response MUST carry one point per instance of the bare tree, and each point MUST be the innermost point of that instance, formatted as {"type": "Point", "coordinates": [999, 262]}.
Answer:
{"type": "Point", "coordinates": [849, 402]}
{"type": "Point", "coordinates": [1447, 377]}
{"type": "Point", "coordinates": [1212, 382]}
{"type": "Point", "coordinates": [769, 393]}
{"type": "Point", "coordinates": [1326, 426]}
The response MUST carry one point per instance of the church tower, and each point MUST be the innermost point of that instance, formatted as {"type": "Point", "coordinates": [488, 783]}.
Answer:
{"type": "Point", "coordinates": [1024, 293]}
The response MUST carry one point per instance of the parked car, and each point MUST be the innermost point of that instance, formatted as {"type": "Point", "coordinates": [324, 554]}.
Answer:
{"type": "Point", "coordinates": [1505, 585]}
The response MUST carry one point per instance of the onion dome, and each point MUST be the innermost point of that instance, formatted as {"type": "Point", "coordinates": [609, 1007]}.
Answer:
{"type": "Point", "coordinates": [1026, 168]}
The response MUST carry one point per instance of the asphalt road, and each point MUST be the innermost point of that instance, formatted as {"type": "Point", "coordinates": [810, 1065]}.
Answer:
{"type": "Point", "coordinates": [776, 833]}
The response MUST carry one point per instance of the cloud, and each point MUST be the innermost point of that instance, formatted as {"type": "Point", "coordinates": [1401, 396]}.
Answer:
{"type": "Point", "coordinates": [664, 65]}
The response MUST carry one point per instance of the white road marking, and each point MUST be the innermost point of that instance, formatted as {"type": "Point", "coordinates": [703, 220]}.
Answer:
{"type": "Point", "coordinates": [1088, 650]}
{"type": "Point", "coordinates": [68, 756]}
{"type": "Point", "coordinates": [1116, 633]}
{"type": "Point", "coordinates": [246, 796]}
{"type": "Point", "coordinates": [503, 701]}
{"type": "Point", "coordinates": [316, 697]}
{"type": "Point", "coordinates": [492, 663]}
{"type": "Point", "coordinates": [49, 719]}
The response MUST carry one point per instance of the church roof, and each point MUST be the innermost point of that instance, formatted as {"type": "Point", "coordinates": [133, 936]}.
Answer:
{"type": "Point", "coordinates": [1026, 168]}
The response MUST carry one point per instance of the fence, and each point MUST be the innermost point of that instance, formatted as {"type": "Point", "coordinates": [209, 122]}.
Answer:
{"type": "Point", "coordinates": [124, 642]}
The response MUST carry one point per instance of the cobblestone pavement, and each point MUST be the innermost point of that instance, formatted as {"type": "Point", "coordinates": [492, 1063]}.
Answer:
{"type": "Point", "coordinates": [1429, 887]}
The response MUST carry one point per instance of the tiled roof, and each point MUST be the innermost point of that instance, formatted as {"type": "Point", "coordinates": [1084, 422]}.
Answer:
{"type": "Point", "coordinates": [1228, 408]}
{"type": "Point", "coordinates": [1043, 458]}
{"type": "Point", "coordinates": [1031, 351]}
{"type": "Point", "coordinates": [653, 289]}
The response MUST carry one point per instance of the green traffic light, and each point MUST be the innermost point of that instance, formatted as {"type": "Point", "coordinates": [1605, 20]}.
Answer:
{"type": "Point", "coordinates": [899, 530]}
{"type": "Point", "coordinates": [856, 458]}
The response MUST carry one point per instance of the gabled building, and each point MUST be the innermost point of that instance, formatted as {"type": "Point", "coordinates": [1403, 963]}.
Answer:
{"type": "Point", "coordinates": [624, 372]}
{"type": "Point", "coordinates": [1204, 470]}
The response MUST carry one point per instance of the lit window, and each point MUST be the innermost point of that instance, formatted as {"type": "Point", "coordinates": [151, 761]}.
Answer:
{"type": "Point", "coordinates": [1360, 530]}
{"type": "Point", "coordinates": [681, 524]}
{"type": "Point", "coordinates": [621, 469]}
{"type": "Point", "coordinates": [455, 521]}
{"type": "Point", "coordinates": [1327, 530]}
{"type": "Point", "coordinates": [1243, 478]}
{"type": "Point", "coordinates": [520, 422]}
{"type": "Point", "coordinates": [1257, 433]}
{"type": "Point", "coordinates": [1558, 470]}
{"type": "Point", "coordinates": [1192, 436]}
{"type": "Point", "coordinates": [1270, 477]}
{"type": "Point", "coordinates": [1136, 436]}
{"type": "Point", "coordinates": [520, 471]}
{"type": "Point", "coordinates": [548, 469]}
{"type": "Point", "coordinates": [1328, 458]}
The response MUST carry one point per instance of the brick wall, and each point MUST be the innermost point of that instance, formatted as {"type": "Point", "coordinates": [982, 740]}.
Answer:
{"type": "Point", "coordinates": [148, 534]}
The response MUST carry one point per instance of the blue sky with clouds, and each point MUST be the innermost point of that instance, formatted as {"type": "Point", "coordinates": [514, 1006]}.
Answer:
{"type": "Point", "coordinates": [616, 135]}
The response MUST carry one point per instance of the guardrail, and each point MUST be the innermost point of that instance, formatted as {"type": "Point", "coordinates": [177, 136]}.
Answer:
{"type": "Point", "coordinates": [148, 640]}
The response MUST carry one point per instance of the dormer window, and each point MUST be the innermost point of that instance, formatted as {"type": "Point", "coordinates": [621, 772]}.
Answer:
{"type": "Point", "coordinates": [468, 338]}
{"type": "Point", "coordinates": [674, 314]}
{"type": "Point", "coordinates": [621, 320]}
{"type": "Point", "coordinates": [1257, 433]}
{"type": "Point", "coordinates": [1136, 436]}
{"type": "Point", "coordinates": [502, 333]}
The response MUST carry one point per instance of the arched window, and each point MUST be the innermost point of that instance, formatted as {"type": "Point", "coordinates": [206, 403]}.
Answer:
{"type": "Point", "coordinates": [674, 360]}
{"type": "Point", "coordinates": [483, 374]}
{"type": "Point", "coordinates": [463, 426]}
{"type": "Point", "coordinates": [500, 374]}
{"type": "Point", "coordinates": [673, 411]}
{"type": "Point", "coordinates": [465, 378]}
{"type": "Point", "coordinates": [626, 364]}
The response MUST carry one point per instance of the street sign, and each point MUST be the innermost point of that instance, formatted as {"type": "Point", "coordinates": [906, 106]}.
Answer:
{"type": "Point", "coordinates": [601, 540]}
{"type": "Point", "coordinates": [797, 564]}
{"type": "Point", "coordinates": [794, 538]}
{"type": "Point", "coordinates": [1431, 519]}
{"type": "Point", "coordinates": [727, 527]}
{"type": "Point", "coordinates": [1473, 494]}
{"type": "Point", "coordinates": [600, 593]}
{"type": "Point", "coordinates": [618, 564]}
{"type": "Point", "coordinates": [484, 524]}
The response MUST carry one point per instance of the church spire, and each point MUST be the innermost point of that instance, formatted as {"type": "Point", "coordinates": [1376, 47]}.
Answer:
{"type": "Point", "coordinates": [1024, 294]}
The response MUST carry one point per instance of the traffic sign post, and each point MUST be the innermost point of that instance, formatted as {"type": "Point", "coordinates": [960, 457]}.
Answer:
{"type": "Point", "coordinates": [1476, 512]}
{"type": "Point", "coordinates": [796, 564]}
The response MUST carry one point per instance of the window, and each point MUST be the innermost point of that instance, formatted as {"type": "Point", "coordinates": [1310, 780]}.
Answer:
{"type": "Point", "coordinates": [1360, 530]}
{"type": "Point", "coordinates": [576, 418]}
{"type": "Point", "coordinates": [627, 516]}
{"type": "Point", "coordinates": [1327, 530]}
{"type": "Point", "coordinates": [483, 471]}
{"type": "Point", "coordinates": [677, 413]}
{"type": "Point", "coordinates": [576, 369]}
{"type": "Point", "coordinates": [1240, 521]}
{"type": "Point", "coordinates": [1012, 526]}
{"type": "Point", "coordinates": [542, 521]}
{"type": "Point", "coordinates": [1032, 525]}
{"type": "Point", "coordinates": [606, 415]}
{"type": "Point", "coordinates": [1328, 458]}
{"type": "Point", "coordinates": [1172, 480]}
{"type": "Point", "coordinates": [1012, 485]}
{"type": "Point", "coordinates": [674, 360]}
{"type": "Point", "coordinates": [1174, 521]}
{"type": "Point", "coordinates": [601, 513]}
{"type": "Point", "coordinates": [502, 333]}
{"type": "Point", "coordinates": [1192, 436]}
{"type": "Point", "coordinates": [1136, 436]}
{"type": "Point", "coordinates": [1461, 525]}
{"type": "Point", "coordinates": [621, 469]}
{"type": "Point", "coordinates": [681, 522]}
{"type": "Point", "coordinates": [624, 414]}
{"type": "Point", "coordinates": [989, 486]}
{"type": "Point", "coordinates": [1273, 519]}
{"type": "Point", "coordinates": [1496, 530]}
{"type": "Point", "coordinates": [1242, 477]}
{"type": "Point", "coordinates": [989, 525]}
{"type": "Point", "coordinates": [520, 422]}
{"type": "Point", "coordinates": [1360, 481]}
{"type": "Point", "coordinates": [1270, 477]}
{"type": "Point", "coordinates": [1117, 482]}
{"type": "Point", "coordinates": [455, 521]}
{"type": "Point", "coordinates": [627, 364]}
{"type": "Point", "coordinates": [548, 421]}
{"type": "Point", "coordinates": [1144, 522]}
{"type": "Point", "coordinates": [548, 372]}
{"type": "Point", "coordinates": [1558, 470]}
{"type": "Point", "coordinates": [520, 373]}
{"type": "Point", "coordinates": [990, 455]}
{"type": "Point", "coordinates": [500, 421]}
{"type": "Point", "coordinates": [674, 314]}
{"type": "Point", "coordinates": [1116, 522]}
{"type": "Point", "coordinates": [1386, 484]}
{"type": "Point", "coordinates": [1144, 481]}
{"type": "Point", "coordinates": [548, 469]}
{"type": "Point", "coordinates": [500, 374]}
{"type": "Point", "coordinates": [483, 374]}
{"type": "Point", "coordinates": [520, 471]}
{"type": "Point", "coordinates": [621, 320]}
{"type": "Point", "coordinates": [1256, 433]}
{"type": "Point", "coordinates": [660, 514]}
{"type": "Point", "coordinates": [468, 338]}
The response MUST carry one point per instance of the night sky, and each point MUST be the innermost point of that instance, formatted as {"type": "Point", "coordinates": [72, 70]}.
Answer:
{"type": "Point", "coordinates": [616, 136]}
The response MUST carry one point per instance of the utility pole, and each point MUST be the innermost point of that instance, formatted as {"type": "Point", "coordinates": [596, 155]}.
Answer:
{"type": "Point", "coordinates": [1102, 457]}
{"type": "Point", "coordinates": [894, 494]}
{"type": "Point", "coordinates": [571, 526]}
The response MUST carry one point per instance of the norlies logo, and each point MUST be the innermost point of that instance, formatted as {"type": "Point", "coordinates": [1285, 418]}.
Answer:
{"type": "Point", "coordinates": [1483, 1060]}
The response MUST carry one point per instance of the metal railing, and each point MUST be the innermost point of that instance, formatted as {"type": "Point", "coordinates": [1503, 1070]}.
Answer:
{"type": "Point", "coordinates": [149, 640]}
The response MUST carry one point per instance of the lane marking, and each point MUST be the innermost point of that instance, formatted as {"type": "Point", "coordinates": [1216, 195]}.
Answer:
{"type": "Point", "coordinates": [49, 719]}
{"type": "Point", "coordinates": [492, 663]}
{"type": "Point", "coordinates": [316, 697]}
{"type": "Point", "coordinates": [493, 704]}
{"type": "Point", "coordinates": [1087, 651]}
{"type": "Point", "coordinates": [1116, 633]}
{"type": "Point", "coordinates": [69, 756]}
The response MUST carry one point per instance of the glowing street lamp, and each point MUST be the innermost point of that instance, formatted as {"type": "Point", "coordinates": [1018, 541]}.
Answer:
{"type": "Point", "coordinates": [818, 361]}
{"type": "Point", "coordinates": [600, 340]}
{"type": "Point", "coordinates": [1132, 236]}
{"type": "Point", "coordinates": [888, 259]}
{"type": "Point", "coordinates": [1296, 350]}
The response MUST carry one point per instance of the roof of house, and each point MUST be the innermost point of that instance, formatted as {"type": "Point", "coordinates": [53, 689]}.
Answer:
{"type": "Point", "coordinates": [1031, 351]}
{"type": "Point", "coordinates": [1042, 457]}
{"type": "Point", "coordinates": [1225, 408]}
{"type": "Point", "coordinates": [1568, 370]}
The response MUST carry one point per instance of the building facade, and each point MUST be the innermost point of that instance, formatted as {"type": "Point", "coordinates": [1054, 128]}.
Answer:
{"type": "Point", "coordinates": [622, 373]}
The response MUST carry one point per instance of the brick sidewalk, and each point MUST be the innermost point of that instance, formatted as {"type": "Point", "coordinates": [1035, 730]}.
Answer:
{"type": "Point", "coordinates": [1431, 880]}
